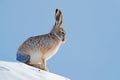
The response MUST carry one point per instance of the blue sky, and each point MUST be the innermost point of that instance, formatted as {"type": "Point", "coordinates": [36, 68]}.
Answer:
{"type": "Point", "coordinates": [92, 49]}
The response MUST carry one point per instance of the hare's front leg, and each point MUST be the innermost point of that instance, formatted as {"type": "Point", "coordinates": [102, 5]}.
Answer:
{"type": "Point", "coordinates": [43, 64]}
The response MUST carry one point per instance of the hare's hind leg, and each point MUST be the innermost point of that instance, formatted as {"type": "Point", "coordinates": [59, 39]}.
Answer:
{"type": "Point", "coordinates": [35, 65]}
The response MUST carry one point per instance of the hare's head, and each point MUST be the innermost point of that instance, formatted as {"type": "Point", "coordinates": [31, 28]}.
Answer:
{"type": "Point", "coordinates": [57, 29]}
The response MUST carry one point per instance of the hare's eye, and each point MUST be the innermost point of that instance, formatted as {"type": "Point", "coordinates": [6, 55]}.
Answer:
{"type": "Point", "coordinates": [63, 33]}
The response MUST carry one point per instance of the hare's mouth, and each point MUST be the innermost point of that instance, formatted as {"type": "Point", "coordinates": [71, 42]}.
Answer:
{"type": "Point", "coordinates": [63, 40]}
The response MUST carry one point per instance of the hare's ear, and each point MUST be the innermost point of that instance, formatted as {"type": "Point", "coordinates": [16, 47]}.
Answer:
{"type": "Point", "coordinates": [58, 18]}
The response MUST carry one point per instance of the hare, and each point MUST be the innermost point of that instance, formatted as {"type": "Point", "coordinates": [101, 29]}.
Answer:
{"type": "Point", "coordinates": [36, 50]}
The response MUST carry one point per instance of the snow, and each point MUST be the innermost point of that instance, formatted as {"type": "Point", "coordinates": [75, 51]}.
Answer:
{"type": "Point", "coordinates": [21, 71]}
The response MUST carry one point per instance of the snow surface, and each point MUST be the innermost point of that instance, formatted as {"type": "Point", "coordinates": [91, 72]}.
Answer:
{"type": "Point", "coordinates": [21, 71]}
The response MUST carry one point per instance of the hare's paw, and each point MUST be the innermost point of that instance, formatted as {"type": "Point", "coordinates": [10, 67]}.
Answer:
{"type": "Point", "coordinates": [46, 69]}
{"type": "Point", "coordinates": [36, 65]}
{"type": "Point", "coordinates": [43, 68]}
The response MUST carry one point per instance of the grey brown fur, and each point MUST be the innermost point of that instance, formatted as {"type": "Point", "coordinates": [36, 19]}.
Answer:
{"type": "Point", "coordinates": [36, 50]}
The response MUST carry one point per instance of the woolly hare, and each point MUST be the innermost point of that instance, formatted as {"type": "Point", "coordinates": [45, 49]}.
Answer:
{"type": "Point", "coordinates": [36, 50]}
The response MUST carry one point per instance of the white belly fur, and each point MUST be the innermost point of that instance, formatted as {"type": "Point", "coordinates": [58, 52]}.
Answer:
{"type": "Point", "coordinates": [35, 58]}
{"type": "Point", "coordinates": [51, 53]}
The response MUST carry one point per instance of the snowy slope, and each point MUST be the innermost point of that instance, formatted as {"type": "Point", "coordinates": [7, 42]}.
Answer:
{"type": "Point", "coordinates": [21, 71]}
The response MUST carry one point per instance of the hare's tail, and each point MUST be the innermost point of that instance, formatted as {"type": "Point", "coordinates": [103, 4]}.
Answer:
{"type": "Point", "coordinates": [22, 57]}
